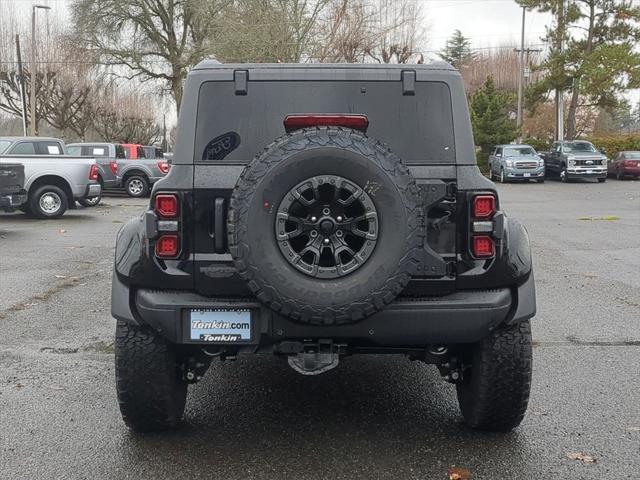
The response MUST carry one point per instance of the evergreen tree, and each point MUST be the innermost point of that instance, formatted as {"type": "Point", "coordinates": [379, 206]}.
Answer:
{"type": "Point", "coordinates": [600, 58]}
{"type": "Point", "coordinates": [457, 51]}
{"type": "Point", "coordinates": [490, 117]}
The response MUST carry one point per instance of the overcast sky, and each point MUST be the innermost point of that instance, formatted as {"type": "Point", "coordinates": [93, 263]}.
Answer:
{"type": "Point", "coordinates": [486, 22]}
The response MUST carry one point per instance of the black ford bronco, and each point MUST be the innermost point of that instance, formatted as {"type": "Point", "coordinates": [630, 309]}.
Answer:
{"type": "Point", "coordinates": [315, 212]}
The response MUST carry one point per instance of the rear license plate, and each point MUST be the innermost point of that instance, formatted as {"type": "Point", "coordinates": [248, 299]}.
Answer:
{"type": "Point", "coordinates": [527, 174]}
{"type": "Point", "coordinates": [220, 325]}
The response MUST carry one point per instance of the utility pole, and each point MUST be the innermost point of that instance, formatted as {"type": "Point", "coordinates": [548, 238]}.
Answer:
{"type": "Point", "coordinates": [23, 96]}
{"type": "Point", "coordinates": [34, 72]}
{"type": "Point", "coordinates": [164, 132]}
{"type": "Point", "coordinates": [521, 72]}
{"type": "Point", "coordinates": [559, 91]}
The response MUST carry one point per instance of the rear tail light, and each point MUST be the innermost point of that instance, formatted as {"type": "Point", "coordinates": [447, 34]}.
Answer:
{"type": "Point", "coordinates": [163, 166]}
{"type": "Point", "coordinates": [167, 205]}
{"type": "Point", "coordinates": [113, 166]}
{"type": "Point", "coordinates": [168, 246]}
{"type": "Point", "coordinates": [483, 246]}
{"type": "Point", "coordinates": [484, 206]}
{"type": "Point", "coordinates": [296, 122]}
{"type": "Point", "coordinates": [93, 172]}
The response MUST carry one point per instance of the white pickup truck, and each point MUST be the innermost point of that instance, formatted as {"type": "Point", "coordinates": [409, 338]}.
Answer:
{"type": "Point", "coordinates": [53, 181]}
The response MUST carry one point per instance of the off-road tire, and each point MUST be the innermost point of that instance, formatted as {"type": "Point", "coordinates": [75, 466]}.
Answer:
{"type": "Point", "coordinates": [540, 180]}
{"type": "Point", "coordinates": [602, 180]}
{"type": "Point", "coordinates": [250, 226]}
{"type": "Point", "coordinates": [494, 392]}
{"type": "Point", "coordinates": [35, 208]}
{"type": "Point", "coordinates": [144, 182]}
{"type": "Point", "coordinates": [564, 178]}
{"type": "Point", "coordinates": [619, 175]}
{"type": "Point", "coordinates": [151, 391]}
{"type": "Point", "coordinates": [503, 178]}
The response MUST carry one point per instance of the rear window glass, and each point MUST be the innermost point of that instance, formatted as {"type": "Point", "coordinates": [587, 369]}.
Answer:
{"type": "Point", "coordinates": [120, 151]}
{"type": "Point", "coordinates": [51, 148]}
{"type": "Point", "coordinates": [25, 148]}
{"type": "Point", "coordinates": [76, 151]}
{"type": "Point", "coordinates": [419, 129]}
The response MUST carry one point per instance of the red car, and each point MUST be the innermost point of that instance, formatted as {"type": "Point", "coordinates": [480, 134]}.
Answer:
{"type": "Point", "coordinates": [625, 163]}
{"type": "Point", "coordinates": [133, 151]}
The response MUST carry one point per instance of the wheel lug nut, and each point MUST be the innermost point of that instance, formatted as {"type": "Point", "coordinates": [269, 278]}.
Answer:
{"type": "Point", "coordinates": [339, 218]}
{"type": "Point", "coordinates": [314, 219]}
{"type": "Point", "coordinates": [326, 241]}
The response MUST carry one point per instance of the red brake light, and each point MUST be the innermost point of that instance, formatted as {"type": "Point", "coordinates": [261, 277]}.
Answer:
{"type": "Point", "coordinates": [483, 246]}
{"type": "Point", "coordinates": [167, 205]}
{"type": "Point", "coordinates": [163, 166]}
{"type": "Point", "coordinates": [168, 246]}
{"type": "Point", "coordinates": [295, 122]}
{"type": "Point", "coordinates": [484, 206]}
{"type": "Point", "coordinates": [113, 166]}
{"type": "Point", "coordinates": [93, 172]}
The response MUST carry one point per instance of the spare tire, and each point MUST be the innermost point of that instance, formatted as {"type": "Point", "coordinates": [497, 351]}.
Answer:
{"type": "Point", "coordinates": [325, 226]}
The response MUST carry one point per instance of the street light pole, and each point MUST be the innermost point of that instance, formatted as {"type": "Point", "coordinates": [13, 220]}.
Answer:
{"type": "Point", "coordinates": [521, 72]}
{"type": "Point", "coordinates": [34, 73]}
{"type": "Point", "coordinates": [559, 91]}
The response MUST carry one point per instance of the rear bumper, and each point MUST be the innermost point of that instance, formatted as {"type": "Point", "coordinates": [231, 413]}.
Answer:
{"type": "Point", "coordinates": [630, 171]}
{"type": "Point", "coordinates": [462, 317]}
{"type": "Point", "coordinates": [13, 200]}
{"type": "Point", "coordinates": [92, 190]}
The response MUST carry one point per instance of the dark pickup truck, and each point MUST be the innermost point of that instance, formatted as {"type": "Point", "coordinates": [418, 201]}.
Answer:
{"type": "Point", "coordinates": [362, 225]}
{"type": "Point", "coordinates": [572, 160]}
{"type": "Point", "coordinates": [12, 191]}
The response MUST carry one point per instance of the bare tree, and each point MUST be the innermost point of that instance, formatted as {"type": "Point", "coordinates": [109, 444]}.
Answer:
{"type": "Point", "coordinates": [127, 117]}
{"type": "Point", "coordinates": [400, 30]}
{"type": "Point", "coordinates": [268, 30]}
{"type": "Point", "coordinates": [152, 39]}
{"type": "Point", "coordinates": [501, 63]}
{"type": "Point", "coordinates": [382, 31]}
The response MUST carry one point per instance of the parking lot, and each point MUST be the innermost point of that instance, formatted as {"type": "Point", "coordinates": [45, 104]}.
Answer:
{"type": "Point", "coordinates": [372, 417]}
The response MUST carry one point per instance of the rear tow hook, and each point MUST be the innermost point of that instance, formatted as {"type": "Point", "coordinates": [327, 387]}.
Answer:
{"type": "Point", "coordinates": [316, 358]}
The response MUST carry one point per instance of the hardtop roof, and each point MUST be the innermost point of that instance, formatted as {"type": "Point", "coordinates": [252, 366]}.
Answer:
{"type": "Point", "coordinates": [211, 64]}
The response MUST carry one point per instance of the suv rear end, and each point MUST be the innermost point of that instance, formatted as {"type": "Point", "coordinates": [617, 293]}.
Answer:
{"type": "Point", "coordinates": [363, 226]}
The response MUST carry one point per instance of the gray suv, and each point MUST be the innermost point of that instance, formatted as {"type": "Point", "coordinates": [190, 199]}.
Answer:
{"type": "Point", "coordinates": [516, 162]}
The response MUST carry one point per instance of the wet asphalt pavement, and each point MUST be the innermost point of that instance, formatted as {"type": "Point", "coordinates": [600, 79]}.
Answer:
{"type": "Point", "coordinates": [372, 417]}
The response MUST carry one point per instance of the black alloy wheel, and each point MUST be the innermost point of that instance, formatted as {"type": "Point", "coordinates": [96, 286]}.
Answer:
{"type": "Point", "coordinates": [327, 226]}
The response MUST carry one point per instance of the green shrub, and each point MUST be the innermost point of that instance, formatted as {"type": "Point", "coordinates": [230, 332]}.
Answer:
{"type": "Point", "coordinates": [483, 161]}
{"type": "Point", "coordinates": [613, 144]}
